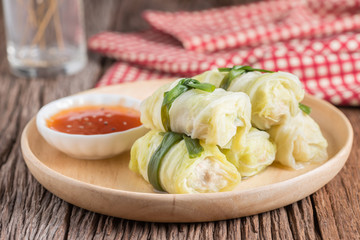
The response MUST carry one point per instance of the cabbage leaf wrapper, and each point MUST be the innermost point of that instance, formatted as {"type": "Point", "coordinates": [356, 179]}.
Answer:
{"type": "Point", "coordinates": [210, 172]}
{"type": "Point", "coordinates": [255, 154]}
{"type": "Point", "coordinates": [210, 116]}
{"type": "Point", "coordinates": [299, 140]}
{"type": "Point", "coordinates": [274, 96]}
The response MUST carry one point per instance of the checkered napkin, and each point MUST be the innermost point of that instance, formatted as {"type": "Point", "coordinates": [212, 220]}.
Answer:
{"type": "Point", "coordinates": [318, 40]}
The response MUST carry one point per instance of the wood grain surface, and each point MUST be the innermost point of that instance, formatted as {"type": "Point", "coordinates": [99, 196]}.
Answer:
{"type": "Point", "coordinates": [28, 211]}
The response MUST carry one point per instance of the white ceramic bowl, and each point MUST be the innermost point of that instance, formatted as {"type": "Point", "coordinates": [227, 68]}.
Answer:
{"type": "Point", "coordinates": [89, 146]}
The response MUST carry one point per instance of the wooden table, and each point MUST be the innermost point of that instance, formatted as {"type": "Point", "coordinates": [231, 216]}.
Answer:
{"type": "Point", "coordinates": [28, 211]}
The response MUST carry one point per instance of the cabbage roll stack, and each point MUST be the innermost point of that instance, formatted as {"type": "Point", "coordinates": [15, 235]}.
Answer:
{"type": "Point", "coordinates": [210, 116]}
{"type": "Point", "coordinates": [178, 172]}
{"type": "Point", "coordinates": [274, 96]}
{"type": "Point", "coordinates": [299, 140]}
{"type": "Point", "coordinates": [256, 153]}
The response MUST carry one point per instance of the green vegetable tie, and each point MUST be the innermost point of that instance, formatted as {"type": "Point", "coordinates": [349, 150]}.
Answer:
{"type": "Point", "coordinates": [193, 147]}
{"type": "Point", "coordinates": [304, 108]}
{"type": "Point", "coordinates": [169, 97]}
{"type": "Point", "coordinates": [236, 71]}
{"type": "Point", "coordinates": [169, 140]}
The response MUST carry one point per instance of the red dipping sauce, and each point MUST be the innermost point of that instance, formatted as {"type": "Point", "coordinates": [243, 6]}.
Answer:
{"type": "Point", "coordinates": [92, 120]}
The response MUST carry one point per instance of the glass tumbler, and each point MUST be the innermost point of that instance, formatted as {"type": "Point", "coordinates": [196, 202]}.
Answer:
{"type": "Point", "coordinates": [45, 37]}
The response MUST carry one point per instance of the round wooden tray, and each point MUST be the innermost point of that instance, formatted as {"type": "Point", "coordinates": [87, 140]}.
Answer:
{"type": "Point", "coordinates": [109, 187]}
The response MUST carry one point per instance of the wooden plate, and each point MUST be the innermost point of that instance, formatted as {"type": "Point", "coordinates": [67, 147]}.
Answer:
{"type": "Point", "coordinates": [109, 187]}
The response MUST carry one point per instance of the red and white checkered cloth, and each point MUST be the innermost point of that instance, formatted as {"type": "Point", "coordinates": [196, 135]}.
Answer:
{"type": "Point", "coordinates": [318, 40]}
{"type": "Point", "coordinates": [122, 72]}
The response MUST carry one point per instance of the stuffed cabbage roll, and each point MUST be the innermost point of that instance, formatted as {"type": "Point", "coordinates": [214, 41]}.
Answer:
{"type": "Point", "coordinates": [255, 154]}
{"type": "Point", "coordinates": [274, 96]}
{"type": "Point", "coordinates": [299, 140]}
{"type": "Point", "coordinates": [210, 116]}
{"type": "Point", "coordinates": [178, 173]}
{"type": "Point", "coordinates": [214, 77]}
